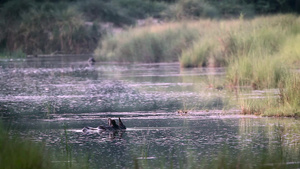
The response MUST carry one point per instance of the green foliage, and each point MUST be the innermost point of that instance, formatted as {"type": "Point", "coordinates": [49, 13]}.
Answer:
{"type": "Point", "coordinates": [144, 45]}
{"type": "Point", "coordinates": [14, 54]}
{"type": "Point", "coordinates": [18, 153]}
{"type": "Point", "coordinates": [120, 12]}
{"type": "Point", "coordinates": [233, 8]}
{"type": "Point", "coordinates": [258, 73]}
{"type": "Point", "coordinates": [203, 53]}
{"type": "Point", "coordinates": [191, 9]}
{"type": "Point", "coordinates": [246, 47]}
{"type": "Point", "coordinates": [47, 28]}
{"type": "Point", "coordinates": [270, 6]}
{"type": "Point", "coordinates": [51, 26]}
{"type": "Point", "coordinates": [40, 26]}
{"type": "Point", "coordinates": [228, 8]}
{"type": "Point", "coordinates": [290, 51]}
{"type": "Point", "coordinates": [262, 59]}
{"type": "Point", "coordinates": [290, 94]}
{"type": "Point", "coordinates": [13, 10]}
{"type": "Point", "coordinates": [286, 103]}
{"type": "Point", "coordinates": [105, 11]}
{"type": "Point", "coordinates": [256, 53]}
{"type": "Point", "coordinates": [142, 9]}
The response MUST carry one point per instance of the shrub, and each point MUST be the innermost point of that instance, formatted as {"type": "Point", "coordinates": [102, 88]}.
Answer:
{"type": "Point", "coordinates": [47, 28]}
{"type": "Point", "coordinates": [97, 10]}
{"type": "Point", "coordinates": [191, 9]}
{"type": "Point", "coordinates": [142, 9]}
{"type": "Point", "coordinates": [120, 12]}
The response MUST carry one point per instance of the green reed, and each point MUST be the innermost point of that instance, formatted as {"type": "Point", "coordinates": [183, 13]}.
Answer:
{"type": "Point", "coordinates": [148, 44]}
{"type": "Point", "coordinates": [22, 153]}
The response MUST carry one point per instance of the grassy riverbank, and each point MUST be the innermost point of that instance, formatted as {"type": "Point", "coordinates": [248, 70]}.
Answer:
{"type": "Point", "coordinates": [263, 57]}
{"type": "Point", "coordinates": [66, 27]}
{"type": "Point", "coordinates": [257, 53]}
{"type": "Point", "coordinates": [160, 43]}
{"type": "Point", "coordinates": [285, 103]}
{"type": "Point", "coordinates": [74, 26]}
{"type": "Point", "coordinates": [206, 42]}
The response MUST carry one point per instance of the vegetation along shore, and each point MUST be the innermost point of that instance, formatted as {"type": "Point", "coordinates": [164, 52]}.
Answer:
{"type": "Point", "coordinates": [255, 41]}
{"type": "Point", "coordinates": [257, 45]}
{"type": "Point", "coordinates": [260, 53]}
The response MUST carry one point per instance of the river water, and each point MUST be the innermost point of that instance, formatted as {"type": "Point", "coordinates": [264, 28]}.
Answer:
{"type": "Point", "coordinates": [50, 99]}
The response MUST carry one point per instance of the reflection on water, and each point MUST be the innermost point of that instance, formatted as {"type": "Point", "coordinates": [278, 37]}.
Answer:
{"type": "Point", "coordinates": [46, 86]}
{"type": "Point", "coordinates": [172, 140]}
{"type": "Point", "coordinates": [41, 97]}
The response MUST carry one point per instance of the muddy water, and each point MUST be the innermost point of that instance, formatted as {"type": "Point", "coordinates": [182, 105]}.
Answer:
{"type": "Point", "coordinates": [44, 98]}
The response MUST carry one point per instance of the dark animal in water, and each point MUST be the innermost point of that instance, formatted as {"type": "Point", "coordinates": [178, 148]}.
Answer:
{"type": "Point", "coordinates": [112, 126]}
{"type": "Point", "coordinates": [121, 125]}
{"type": "Point", "coordinates": [91, 60]}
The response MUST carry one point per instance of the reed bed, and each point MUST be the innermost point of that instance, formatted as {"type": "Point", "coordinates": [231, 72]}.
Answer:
{"type": "Point", "coordinates": [160, 43]}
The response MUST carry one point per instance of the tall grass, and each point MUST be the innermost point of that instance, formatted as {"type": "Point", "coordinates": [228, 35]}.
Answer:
{"type": "Point", "coordinates": [262, 58]}
{"type": "Point", "coordinates": [227, 40]}
{"type": "Point", "coordinates": [20, 153]}
{"type": "Point", "coordinates": [36, 26]}
{"type": "Point", "coordinates": [258, 73]}
{"type": "Point", "coordinates": [160, 43]}
{"type": "Point", "coordinates": [286, 104]}
{"type": "Point", "coordinates": [203, 53]}
{"type": "Point", "coordinates": [255, 52]}
{"type": "Point", "coordinates": [258, 53]}
{"type": "Point", "coordinates": [290, 51]}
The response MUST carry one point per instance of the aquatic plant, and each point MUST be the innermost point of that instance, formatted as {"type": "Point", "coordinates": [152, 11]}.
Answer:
{"type": "Point", "coordinates": [288, 103]}
{"type": "Point", "coordinates": [22, 153]}
{"type": "Point", "coordinates": [279, 152]}
{"type": "Point", "coordinates": [285, 103]}
{"type": "Point", "coordinates": [19, 152]}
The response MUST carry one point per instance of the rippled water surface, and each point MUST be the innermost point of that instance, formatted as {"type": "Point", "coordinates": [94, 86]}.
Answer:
{"type": "Point", "coordinates": [51, 99]}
